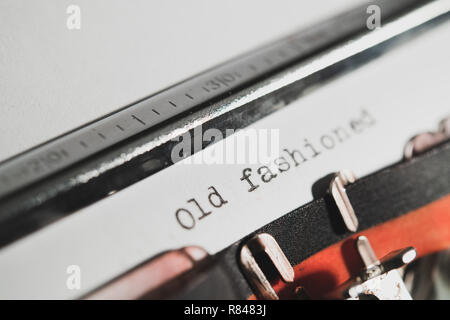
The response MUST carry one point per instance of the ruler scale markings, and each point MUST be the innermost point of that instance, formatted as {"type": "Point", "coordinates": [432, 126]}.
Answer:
{"type": "Point", "coordinates": [253, 68]}
{"type": "Point", "coordinates": [337, 28]}
{"type": "Point", "coordinates": [138, 120]}
{"type": "Point", "coordinates": [222, 81]}
{"type": "Point", "coordinates": [84, 144]}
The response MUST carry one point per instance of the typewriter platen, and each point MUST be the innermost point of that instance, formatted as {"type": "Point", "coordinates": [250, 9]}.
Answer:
{"type": "Point", "coordinates": [313, 167]}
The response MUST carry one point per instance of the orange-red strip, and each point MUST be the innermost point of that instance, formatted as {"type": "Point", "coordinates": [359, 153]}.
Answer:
{"type": "Point", "coordinates": [426, 229]}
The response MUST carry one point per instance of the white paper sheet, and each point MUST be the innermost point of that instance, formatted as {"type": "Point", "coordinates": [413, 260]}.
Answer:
{"type": "Point", "coordinates": [405, 91]}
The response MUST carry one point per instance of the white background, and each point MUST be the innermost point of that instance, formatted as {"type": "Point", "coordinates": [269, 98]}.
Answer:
{"type": "Point", "coordinates": [53, 79]}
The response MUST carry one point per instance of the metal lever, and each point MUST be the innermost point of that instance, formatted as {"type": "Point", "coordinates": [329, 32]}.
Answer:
{"type": "Point", "coordinates": [379, 279]}
{"type": "Point", "coordinates": [264, 243]}
{"type": "Point", "coordinates": [337, 189]}
{"type": "Point", "coordinates": [426, 140]}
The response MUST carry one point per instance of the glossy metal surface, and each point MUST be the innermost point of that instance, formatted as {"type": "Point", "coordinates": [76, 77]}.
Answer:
{"type": "Point", "coordinates": [211, 85]}
{"type": "Point", "coordinates": [252, 270]}
{"type": "Point", "coordinates": [337, 189]}
{"type": "Point", "coordinates": [380, 279]}
{"type": "Point", "coordinates": [424, 141]}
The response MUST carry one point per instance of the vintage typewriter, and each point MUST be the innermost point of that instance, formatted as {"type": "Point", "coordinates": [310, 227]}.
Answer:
{"type": "Point", "coordinates": [313, 167]}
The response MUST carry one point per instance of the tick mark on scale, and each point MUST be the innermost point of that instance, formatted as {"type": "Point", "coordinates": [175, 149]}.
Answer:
{"type": "Point", "coordinates": [190, 97]}
{"type": "Point", "coordinates": [138, 120]}
{"type": "Point", "coordinates": [120, 128]}
{"type": "Point", "coordinates": [173, 104]}
{"type": "Point", "coordinates": [83, 144]}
